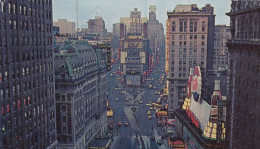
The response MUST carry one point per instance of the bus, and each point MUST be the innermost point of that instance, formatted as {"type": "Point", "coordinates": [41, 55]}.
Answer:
{"type": "Point", "coordinates": [156, 105]}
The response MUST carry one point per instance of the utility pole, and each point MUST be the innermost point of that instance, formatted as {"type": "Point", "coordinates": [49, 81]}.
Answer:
{"type": "Point", "coordinates": [77, 13]}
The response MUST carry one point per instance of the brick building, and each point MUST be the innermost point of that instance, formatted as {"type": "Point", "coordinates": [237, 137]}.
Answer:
{"type": "Point", "coordinates": [189, 42]}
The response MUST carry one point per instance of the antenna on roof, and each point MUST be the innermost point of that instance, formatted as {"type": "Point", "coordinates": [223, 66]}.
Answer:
{"type": "Point", "coordinates": [77, 13]}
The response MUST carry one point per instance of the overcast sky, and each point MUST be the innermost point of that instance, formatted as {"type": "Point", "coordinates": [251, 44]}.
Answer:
{"type": "Point", "coordinates": [112, 10]}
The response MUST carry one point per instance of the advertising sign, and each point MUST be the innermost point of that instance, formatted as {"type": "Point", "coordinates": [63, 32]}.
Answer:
{"type": "Point", "coordinates": [167, 46]}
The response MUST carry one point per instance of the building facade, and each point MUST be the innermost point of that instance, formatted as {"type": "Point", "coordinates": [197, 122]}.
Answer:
{"type": "Point", "coordinates": [66, 28]}
{"type": "Point", "coordinates": [156, 36]}
{"type": "Point", "coordinates": [26, 75]}
{"type": "Point", "coordinates": [97, 25]}
{"type": "Point", "coordinates": [80, 82]}
{"type": "Point", "coordinates": [189, 42]}
{"type": "Point", "coordinates": [244, 74]}
{"type": "Point", "coordinates": [221, 36]}
{"type": "Point", "coordinates": [134, 23]}
{"type": "Point", "coordinates": [134, 49]}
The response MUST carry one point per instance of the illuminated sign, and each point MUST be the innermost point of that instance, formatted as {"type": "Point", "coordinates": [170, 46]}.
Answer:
{"type": "Point", "coordinates": [196, 83]}
{"type": "Point", "coordinates": [133, 45]}
{"type": "Point", "coordinates": [167, 46]}
{"type": "Point", "coordinates": [178, 144]}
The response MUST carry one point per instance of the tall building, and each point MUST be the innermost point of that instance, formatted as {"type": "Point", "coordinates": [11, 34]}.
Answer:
{"type": "Point", "coordinates": [28, 116]}
{"type": "Point", "coordinates": [244, 74]}
{"type": "Point", "coordinates": [97, 25]}
{"type": "Point", "coordinates": [66, 28]}
{"type": "Point", "coordinates": [133, 24]}
{"type": "Point", "coordinates": [189, 42]}
{"type": "Point", "coordinates": [134, 49]}
{"type": "Point", "coordinates": [115, 40]}
{"type": "Point", "coordinates": [96, 32]}
{"type": "Point", "coordinates": [156, 36]}
{"type": "Point", "coordinates": [80, 82]}
{"type": "Point", "coordinates": [221, 36]}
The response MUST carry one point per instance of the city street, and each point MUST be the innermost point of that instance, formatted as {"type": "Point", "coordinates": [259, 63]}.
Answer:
{"type": "Point", "coordinates": [128, 109]}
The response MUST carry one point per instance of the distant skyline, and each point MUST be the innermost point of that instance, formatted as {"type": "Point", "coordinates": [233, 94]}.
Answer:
{"type": "Point", "coordinates": [112, 10]}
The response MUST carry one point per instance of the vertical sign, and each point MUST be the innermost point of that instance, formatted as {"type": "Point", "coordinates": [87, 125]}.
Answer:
{"type": "Point", "coordinates": [108, 58]}
{"type": "Point", "coordinates": [167, 46]}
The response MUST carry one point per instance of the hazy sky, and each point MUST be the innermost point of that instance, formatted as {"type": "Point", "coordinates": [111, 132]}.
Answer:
{"type": "Point", "coordinates": [112, 10]}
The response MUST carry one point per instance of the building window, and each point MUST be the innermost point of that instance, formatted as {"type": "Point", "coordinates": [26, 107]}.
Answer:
{"type": "Point", "coordinates": [180, 37]}
{"type": "Point", "coordinates": [257, 69]}
{"type": "Point", "coordinates": [202, 36]}
{"type": "Point", "coordinates": [64, 119]}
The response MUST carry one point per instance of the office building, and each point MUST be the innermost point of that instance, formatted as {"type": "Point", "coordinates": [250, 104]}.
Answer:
{"type": "Point", "coordinates": [156, 36]}
{"type": "Point", "coordinates": [189, 42]}
{"type": "Point", "coordinates": [244, 74]}
{"type": "Point", "coordinates": [134, 49]}
{"type": "Point", "coordinates": [26, 75]}
{"type": "Point", "coordinates": [66, 28]}
{"type": "Point", "coordinates": [221, 36]}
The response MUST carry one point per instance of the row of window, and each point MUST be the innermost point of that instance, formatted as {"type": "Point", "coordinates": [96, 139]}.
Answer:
{"type": "Point", "coordinates": [185, 37]}
{"type": "Point", "coordinates": [184, 43]}
{"type": "Point", "coordinates": [12, 8]}
{"type": "Point", "coordinates": [193, 26]}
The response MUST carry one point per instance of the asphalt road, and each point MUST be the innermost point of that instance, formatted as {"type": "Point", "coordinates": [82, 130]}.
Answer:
{"type": "Point", "coordinates": [137, 133]}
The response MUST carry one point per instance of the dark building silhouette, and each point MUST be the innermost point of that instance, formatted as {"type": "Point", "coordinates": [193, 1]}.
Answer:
{"type": "Point", "coordinates": [26, 75]}
{"type": "Point", "coordinates": [244, 75]}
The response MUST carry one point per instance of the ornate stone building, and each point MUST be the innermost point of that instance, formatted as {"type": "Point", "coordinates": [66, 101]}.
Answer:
{"type": "Point", "coordinates": [244, 74]}
{"type": "Point", "coordinates": [80, 82]}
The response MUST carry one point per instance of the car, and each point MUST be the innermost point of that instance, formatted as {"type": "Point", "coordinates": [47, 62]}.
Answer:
{"type": "Point", "coordinates": [116, 99]}
{"type": "Point", "coordinates": [141, 102]}
{"type": "Point", "coordinates": [149, 112]}
{"type": "Point", "coordinates": [152, 138]}
{"type": "Point", "coordinates": [150, 117]}
{"type": "Point", "coordinates": [148, 104]}
{"type": "Point", "coordinates": [126, 99]}
{"type": "Point", "coordinates": [119, 123]}
{"type": "Point", "coordinates": [155, 93]}
{"type": "Point", "coordinates": [154, 108]}
{"type": "Point", "coordinates": [123, 92]}
{"type": "Point", "coordinates": [160, 142]}
{"type": "Point", "coordinates": [151, 108]}
{"type": "Point", "coordinates": [126, 123]}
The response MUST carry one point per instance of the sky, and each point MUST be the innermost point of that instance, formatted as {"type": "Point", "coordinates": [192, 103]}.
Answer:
{"type": "Point", "coordinates": [112, 10]}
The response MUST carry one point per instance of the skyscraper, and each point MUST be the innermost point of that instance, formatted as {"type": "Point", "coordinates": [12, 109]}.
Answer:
{"type": "Point", "coordinates": [26, 75]}
{"type": "Point", "coordinates": [244, 74]}
{"type": "Point", "coordinates": [189, 42]}
{"type": "Point", "coordinates": [156, 36]}
{"type": "Point", "coordinates": [221, 36]}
